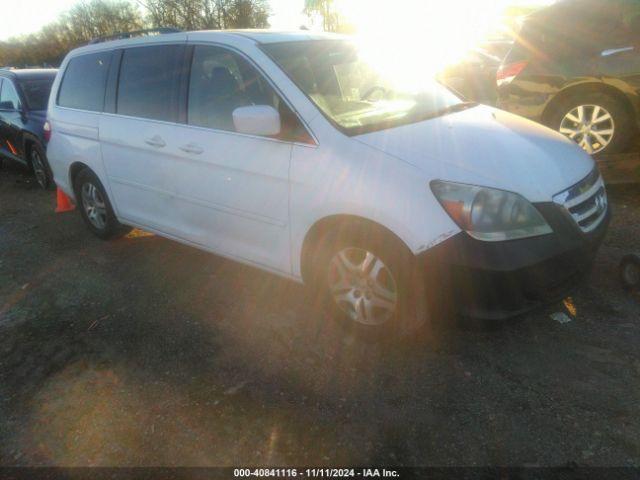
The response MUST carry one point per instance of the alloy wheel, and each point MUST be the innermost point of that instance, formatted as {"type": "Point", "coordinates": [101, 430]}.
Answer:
{"type": "Point", "coordinates": [94, 205]}
{"type": "Point", "coordinates": [590, 126]}
{"type": "Point", "coordinates": [39, 170]}
{"type": "Point", "coordinates": [362, 286]}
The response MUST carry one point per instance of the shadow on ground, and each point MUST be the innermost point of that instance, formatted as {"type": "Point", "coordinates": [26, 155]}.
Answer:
{"type": "Point", "coordinates": [141, 351]}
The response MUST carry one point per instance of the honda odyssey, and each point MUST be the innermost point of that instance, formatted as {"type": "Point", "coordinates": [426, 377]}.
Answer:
{"type": "Point", "coordinates": [293, 153]}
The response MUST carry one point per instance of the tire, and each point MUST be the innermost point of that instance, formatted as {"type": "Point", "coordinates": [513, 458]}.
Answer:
{"type": "Point", "coordinates": [398, 272]}
{"type": "Point", "coordinates": [40, 166]}
{"type": "Point", "coordinates": [95, 207]}
{"type": "Point", "coordinates": [621, 124]}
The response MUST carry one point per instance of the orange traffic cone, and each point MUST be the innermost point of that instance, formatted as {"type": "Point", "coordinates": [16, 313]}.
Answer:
{"type": "Point", "coordinates": [64, 202]}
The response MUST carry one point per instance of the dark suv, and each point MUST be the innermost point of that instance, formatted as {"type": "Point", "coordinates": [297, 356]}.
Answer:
{"type": "Point", "coordinates": [24, 95]}
{"type": "Point", "coordinates": [575, 67]}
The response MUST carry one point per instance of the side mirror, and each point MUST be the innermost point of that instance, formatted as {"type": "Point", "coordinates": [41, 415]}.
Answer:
{"type": "Point", "coordinates": [257, 120]}
{"type": "Point", "coordinates": [7, 106]}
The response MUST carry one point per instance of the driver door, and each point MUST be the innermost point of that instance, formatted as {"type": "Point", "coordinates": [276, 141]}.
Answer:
{"type": "Point", "coordinates": [233, 188]}
{"type": "Point", "coordinates": [11, 122]}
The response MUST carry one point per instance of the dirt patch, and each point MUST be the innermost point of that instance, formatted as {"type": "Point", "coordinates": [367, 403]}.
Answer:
{"type": "Point", "coordinates": [145, 352]}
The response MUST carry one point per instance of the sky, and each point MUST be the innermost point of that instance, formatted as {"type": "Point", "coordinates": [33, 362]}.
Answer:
{"type": "Point", "coordinates": [28, 16]}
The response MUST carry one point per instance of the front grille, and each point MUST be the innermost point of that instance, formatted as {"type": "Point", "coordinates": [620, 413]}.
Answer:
{"type": "Point", "coordinates": [585, 202]}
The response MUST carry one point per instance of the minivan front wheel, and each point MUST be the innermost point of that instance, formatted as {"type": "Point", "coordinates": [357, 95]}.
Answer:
{"type": "Point", "coordinates": [362, 286]}
{"type": "Point", "coordinates": [596, 121]}
{"type": "Point", "coordinates": [370, 282]}
{"type": "Point", "coordinates": [95, 208]}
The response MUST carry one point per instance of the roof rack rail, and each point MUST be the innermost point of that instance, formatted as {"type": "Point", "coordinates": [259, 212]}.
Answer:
{"type": "Point", "coordinates": [135, 33]}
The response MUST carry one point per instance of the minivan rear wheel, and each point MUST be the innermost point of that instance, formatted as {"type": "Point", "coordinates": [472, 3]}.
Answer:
{"type": "Point", "coordinates": [370, 282]}
{"type": "Point", "coordinates": [596, 121]}
{"type": "Point", "coordinates": [95, 206]}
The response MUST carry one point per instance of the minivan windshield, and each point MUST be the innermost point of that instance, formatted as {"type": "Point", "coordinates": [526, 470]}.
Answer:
{"type": "Point", "coordinates": [355, 93]}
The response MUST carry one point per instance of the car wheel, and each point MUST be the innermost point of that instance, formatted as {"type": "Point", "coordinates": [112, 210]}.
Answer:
{"type": "Point", "coordinates": [40, 166]}
{"type": "Point", "coordinates": [370, 282]}
{"type": "Point", "coordinates": [596, 121]}
{"type": "Point", "coordinates": [95, 206]}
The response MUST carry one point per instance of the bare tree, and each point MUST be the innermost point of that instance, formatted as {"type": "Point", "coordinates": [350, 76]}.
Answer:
{"type": "Point", "coordinates": [98, 18]}
{"type": "Point", "coordinates": [326, 9]}
{"type": "Point", "coordinates": [86, 20]}
{"type": "Point", "coordinates": [248, 14]}
{"type": "Point", "coordinates": [168, 13]}
{"type": "Point", "coordinates": [95, 18]}
{"type": "Point", "coordinates": [207, 14]}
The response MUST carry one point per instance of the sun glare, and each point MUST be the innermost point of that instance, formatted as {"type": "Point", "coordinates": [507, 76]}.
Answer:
{"type": "Point", "coordinates": [416, 38]}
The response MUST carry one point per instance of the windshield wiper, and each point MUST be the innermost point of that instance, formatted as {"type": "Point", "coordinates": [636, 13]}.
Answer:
{"type": "Point", "coordinates": [413, 116]}
{"type": "Point", "coordinates": [426, 115]}
{"type": "Point", "coordinates": [458, 107]}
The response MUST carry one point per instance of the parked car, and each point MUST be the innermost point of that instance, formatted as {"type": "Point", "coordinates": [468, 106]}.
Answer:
{"type": "Point", "coordinates": [473, 77]}
{"type": "Point", "coordinates": [575, 66]}
{"type": "Point", "coordinates": [24, 95]}
{"type": "Point", "coordinates": [288, 152]}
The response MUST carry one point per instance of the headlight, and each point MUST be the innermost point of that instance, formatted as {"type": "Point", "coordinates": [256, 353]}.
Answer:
{"type": "Point", "coordinates": [489, 214]}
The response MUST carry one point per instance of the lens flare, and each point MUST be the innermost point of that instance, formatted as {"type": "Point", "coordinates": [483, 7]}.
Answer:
{"type": "Point", "coordinates": [415, 39]}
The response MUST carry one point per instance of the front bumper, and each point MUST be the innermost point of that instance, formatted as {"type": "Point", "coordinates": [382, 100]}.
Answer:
{"type": "Point", "coordinates": [498, 280]}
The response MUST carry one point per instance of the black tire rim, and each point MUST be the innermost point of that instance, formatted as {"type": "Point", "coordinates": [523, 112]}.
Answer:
{"type": "Point", "coordinates": [39, 170]}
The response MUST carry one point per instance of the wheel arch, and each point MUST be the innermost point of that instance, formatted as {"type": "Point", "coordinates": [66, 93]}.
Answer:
{"type": "Point", "coordinates": [74, 169]}
{"type": "Point", "coordinates": [586, 87]}
{"type": "Point", "coordinates": [331, 223]}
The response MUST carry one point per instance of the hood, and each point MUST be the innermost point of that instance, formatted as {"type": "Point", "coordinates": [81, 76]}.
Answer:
{"type": "Point", "coordinates": [488, 147]}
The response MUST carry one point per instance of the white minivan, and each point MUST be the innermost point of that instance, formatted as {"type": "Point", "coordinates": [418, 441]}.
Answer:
{"type": "Point", "coordinates": [293, 153]}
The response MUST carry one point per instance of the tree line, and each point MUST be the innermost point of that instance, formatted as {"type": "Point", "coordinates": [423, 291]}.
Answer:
{"type": "Point", "coordinates": [91, 19]}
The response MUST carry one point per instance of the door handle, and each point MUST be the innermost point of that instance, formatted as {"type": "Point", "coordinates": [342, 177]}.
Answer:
{"type": "Point", "coordinates": [155, 141]}
{"type": "Point", "coordinates": [191, 148]}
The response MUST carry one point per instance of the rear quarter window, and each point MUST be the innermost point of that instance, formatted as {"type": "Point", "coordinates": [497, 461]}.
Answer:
{"type": "Point", "coordinates": [37, 92]}
{"type": "Point", "coordinates": [84, 81]}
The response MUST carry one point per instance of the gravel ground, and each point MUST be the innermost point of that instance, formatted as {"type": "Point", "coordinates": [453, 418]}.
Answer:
{"type": "Point", "coordinates": [141, 351]}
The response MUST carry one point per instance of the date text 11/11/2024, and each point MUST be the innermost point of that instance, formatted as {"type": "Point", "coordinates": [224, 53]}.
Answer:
{"type": "Point", "coordinates": [315, 472]}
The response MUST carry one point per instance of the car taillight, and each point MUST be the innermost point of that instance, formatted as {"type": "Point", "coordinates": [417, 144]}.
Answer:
{"type": "Point", "coordinates": [47, 131]}
{"type": "Point", "coordinates": [506, 73]}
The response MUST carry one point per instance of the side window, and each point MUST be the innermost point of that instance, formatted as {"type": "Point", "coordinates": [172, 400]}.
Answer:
{"type": "Point", "coordinates": [9, 99]}
{"type": "Point", "coordinates": [222, 81]}
{"type": "Point", "coordinates": [149, 84]}
{"type": "Point", "coordinates": [84, 82]}
{"type": "Point", "coordinates": [36, 92]}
